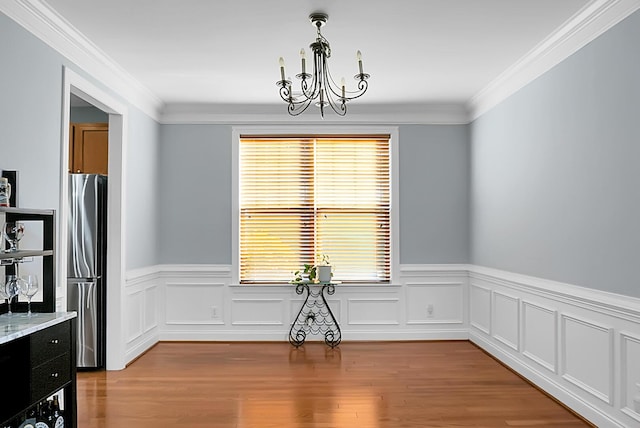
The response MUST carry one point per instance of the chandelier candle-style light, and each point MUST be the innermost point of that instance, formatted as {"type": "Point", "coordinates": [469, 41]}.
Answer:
{"type": "Point", "coordinates": [320, 86]}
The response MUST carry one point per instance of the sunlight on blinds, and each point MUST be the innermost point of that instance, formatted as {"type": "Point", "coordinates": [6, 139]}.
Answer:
{"type": "Point", "coordinates": [301, 197]}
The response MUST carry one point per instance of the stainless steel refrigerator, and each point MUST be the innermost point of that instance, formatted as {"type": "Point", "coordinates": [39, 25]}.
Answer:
{"type": "Point", "coordinates": [86, 279]}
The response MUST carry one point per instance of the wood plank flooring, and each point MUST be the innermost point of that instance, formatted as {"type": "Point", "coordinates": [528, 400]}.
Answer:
{"type": "Point", "coordinates": [357, 385]}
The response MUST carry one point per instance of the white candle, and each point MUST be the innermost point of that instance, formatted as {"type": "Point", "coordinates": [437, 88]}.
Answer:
{"type": "Point", "coordinates": [304, 61]}
{"type": "Point", "coordinates": [359, 56]}
{"type": "Point", "coordinates": [281, 61]}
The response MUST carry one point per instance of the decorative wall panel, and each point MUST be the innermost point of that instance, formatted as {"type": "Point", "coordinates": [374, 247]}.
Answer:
{"type": "Point", "coordinates": [481, 308]}
{"type": "Point", "coordinates": [258, 312]}
{"type": "Point", "coordinates": [193, 302]}
{"type": "Point", "coordinates": [587, 356]}
{"type": "Point", "coordinates": [434, 303]}
{"type": "Point", "coordinates": [135, 313]}
{"type": "Point", "coordinates": [506, 320]}
{"type": "Point", "coordinates": [378, 311]}
{"type": "Point", "coordinates": [540, 333]}
{"type": "Point", "coordinates": [630, 375]}
{"type": "Point", "coordinates": [150, 308]}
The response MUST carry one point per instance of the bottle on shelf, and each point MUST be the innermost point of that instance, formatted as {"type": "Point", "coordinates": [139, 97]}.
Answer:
{"type": "Point", "coordinates": [41, 418]}
{"type": "Point", "coordinates": [58, 417]}
{"type": "Point", "coordinates": [51, 419]}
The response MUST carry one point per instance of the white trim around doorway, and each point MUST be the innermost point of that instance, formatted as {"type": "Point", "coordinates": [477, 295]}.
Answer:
{"type": "Point", "coordinates": [118, 119]}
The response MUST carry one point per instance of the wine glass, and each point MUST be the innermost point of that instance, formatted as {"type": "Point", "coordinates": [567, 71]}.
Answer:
{"type": "Point", "coordinates": [28, 288]}
{"type": "Point", "coordinates": [3, 294]}
{"type": "Point", "coordinates": [13, 233]}
{"type": "Point", "coordinates": [11, 290]}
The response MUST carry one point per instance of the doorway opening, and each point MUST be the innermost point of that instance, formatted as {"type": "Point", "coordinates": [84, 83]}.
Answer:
{"type": "Point", "coordinates": [87, 229]}
{"type": "Point", "coordinates": [81, 90]}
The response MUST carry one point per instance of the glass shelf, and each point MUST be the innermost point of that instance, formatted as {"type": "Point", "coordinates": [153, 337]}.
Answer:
{"type": "Point", "coordinates": [9, 258]}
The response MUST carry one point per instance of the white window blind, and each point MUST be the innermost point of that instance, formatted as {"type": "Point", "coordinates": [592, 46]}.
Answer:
{"type": "Point", "coordinates": [306, 196]}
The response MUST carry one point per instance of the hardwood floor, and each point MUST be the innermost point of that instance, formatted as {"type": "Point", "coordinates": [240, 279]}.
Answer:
{"type": "Point", "coordinates": [357, 385]}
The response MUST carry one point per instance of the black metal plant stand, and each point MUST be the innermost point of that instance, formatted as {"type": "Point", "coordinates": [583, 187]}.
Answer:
{"type": "Point", "coordinates": [315, 316]}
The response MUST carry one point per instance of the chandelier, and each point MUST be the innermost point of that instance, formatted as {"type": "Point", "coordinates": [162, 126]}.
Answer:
{"type": "Point", "coordinates": [320, 86]}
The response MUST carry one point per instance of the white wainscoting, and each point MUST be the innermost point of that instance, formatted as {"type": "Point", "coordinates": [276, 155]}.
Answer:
{"type": "Point", "coordinates": [200, 303]}
{"type": "Point", "coordinates": [142, 299]}
{"type": "Point", "coordinates": [580, 345]}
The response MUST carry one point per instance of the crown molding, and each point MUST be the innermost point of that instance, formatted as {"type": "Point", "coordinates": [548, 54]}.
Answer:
{"type": "Point", "coordinates": [45, 23]}
{"type": "Point", "coordinates": [586, 25]}
{"type": "Point", "coordinates": [42, 21]}
{"type": "Point", "coordinates": [277, 114]}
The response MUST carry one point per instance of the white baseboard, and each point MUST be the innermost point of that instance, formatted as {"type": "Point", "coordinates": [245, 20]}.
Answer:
{"type": "Point", "coordinates": [278, 336]}
{"type": "Point", "coordinates": [140, 348]}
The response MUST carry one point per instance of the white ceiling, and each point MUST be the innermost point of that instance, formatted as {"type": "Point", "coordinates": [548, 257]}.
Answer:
{"type": "Point", "coordinates": [418, 52]}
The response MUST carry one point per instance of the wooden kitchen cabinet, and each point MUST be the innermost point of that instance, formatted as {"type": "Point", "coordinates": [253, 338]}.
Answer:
{"type": "Point", "coordinates": [89, 148]}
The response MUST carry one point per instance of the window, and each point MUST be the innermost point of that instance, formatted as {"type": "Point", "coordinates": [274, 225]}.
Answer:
{"type": "Point", "coordinates": [306, 196]}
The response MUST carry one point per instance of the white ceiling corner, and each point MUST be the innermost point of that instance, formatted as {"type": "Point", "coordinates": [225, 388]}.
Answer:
{"type": "Point", "coordinates": [40, 19]}
{"type": "Point", "coordinates": [587, 24]}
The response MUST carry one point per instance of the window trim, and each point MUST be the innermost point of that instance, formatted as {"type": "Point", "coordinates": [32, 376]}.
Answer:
{"type": "Point", "coordinates": [319, 131]}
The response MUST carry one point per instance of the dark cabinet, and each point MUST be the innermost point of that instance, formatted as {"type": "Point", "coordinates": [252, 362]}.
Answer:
{"type": "Point", "coordinates": [50, 360]}
{"type": "Point", "coordinates": [49, 343]}
{"type": "Point", "coordinates": [37, 366]}
{"type": "Point", "coordinates": [14, 363]}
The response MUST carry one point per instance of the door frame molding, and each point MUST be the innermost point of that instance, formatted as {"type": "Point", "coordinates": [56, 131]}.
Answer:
{"type": "Point", "coordinates": [75, 84]}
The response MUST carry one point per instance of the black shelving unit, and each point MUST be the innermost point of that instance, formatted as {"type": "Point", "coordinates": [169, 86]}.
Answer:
{"type": "Point", "coordinates": [10, 260]}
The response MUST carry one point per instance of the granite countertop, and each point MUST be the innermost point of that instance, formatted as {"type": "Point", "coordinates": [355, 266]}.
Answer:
{"type": "Point", "coordinates": [18, 325]}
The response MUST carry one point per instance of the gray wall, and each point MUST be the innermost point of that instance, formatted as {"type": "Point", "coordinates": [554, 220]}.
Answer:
{"type": "Point", "coordinates": [434, 194]}
{"type": "Point", "coordinates": [31, 134]}
{"type": "Point", "coordinates": [142, 191]}
{"type": "Point", "coordinates": [30, 115]}
{"type": "Point", "coordinates": [195, 195]}
{"type": "Point", "coordinates": [195, 202]}
{"type": "Point", "coordinates": [88, 115]}
{"type": "Point", "coordinates": [555, 177]}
